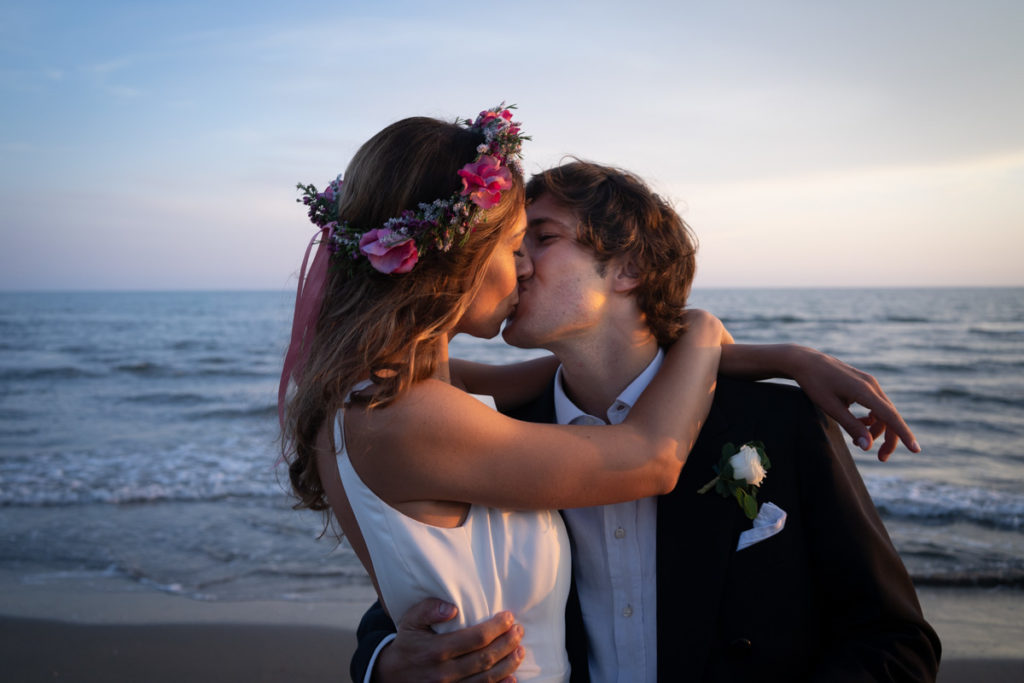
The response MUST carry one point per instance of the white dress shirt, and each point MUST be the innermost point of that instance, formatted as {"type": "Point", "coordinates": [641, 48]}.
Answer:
{"type": "Point", "coordinates": [614, 562]}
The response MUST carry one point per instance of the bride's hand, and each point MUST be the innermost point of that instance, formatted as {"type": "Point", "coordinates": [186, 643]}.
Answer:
{"type": "Point", "coordinates": [834, 386]}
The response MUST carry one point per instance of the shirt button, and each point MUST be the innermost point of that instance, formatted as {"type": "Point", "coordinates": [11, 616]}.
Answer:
{"type": "Point", "coordinates": [627, 612]}
{"type": "Point", "coordinates": [620, 533]}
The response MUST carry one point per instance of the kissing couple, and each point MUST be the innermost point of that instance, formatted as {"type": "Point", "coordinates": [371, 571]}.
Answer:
{"type": "Point", "coordinates": [635, 507]}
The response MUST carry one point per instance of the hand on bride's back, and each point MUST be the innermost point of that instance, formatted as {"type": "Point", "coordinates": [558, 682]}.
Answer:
{"type": "Point", "coordinates": [486, 653]}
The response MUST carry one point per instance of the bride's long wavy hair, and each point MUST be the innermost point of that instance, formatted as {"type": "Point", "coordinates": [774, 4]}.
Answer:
{"type": "Point", "coordinates": [382, 327]}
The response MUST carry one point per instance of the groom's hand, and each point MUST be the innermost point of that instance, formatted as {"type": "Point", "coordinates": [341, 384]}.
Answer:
{"type": "Point", "coordinates": [486, 653]}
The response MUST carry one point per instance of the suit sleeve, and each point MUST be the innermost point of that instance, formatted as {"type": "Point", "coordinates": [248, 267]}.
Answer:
{"type": "Point", "coordinates": [374, 627]}
{"type": "Point", "coordinates": [875, 627]}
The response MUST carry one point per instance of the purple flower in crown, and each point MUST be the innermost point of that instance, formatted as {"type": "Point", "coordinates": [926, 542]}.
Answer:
{"type": "Point", "coordinates": [485, 180]}
{"type": "Point", "coordinates": [330, 192]}
{"type": "Point", "coordinates": [389, 251]}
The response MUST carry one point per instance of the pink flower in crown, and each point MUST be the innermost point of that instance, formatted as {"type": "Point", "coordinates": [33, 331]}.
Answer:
{"type": "Point", "coordinates": [485, 180]}
{"type": "Point", "coordinates": [486, 116]}
{"type": "Point", "coordinates": [389, 251]}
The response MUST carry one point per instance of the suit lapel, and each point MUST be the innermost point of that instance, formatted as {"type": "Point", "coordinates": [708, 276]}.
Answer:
{"type": "Point", "coordinates": [697, 537]}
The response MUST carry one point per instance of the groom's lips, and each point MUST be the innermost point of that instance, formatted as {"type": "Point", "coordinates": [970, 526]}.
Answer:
{"type": "Point", "coordinates": [512, 312]}
{"type": "Point", "coordinates": [519, 301]}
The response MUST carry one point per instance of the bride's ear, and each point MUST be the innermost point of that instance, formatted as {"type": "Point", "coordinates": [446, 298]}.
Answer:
{"type": "Point", "coordinates": [626, 276]}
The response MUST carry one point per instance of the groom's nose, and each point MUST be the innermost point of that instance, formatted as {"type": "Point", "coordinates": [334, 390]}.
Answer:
{"type": "Point", "coordinates": [524, 264]}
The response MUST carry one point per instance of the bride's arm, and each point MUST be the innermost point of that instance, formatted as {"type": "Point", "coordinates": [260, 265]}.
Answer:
{"type": "Point", "coordinates": [438, 443]}
{"type": "Point", "coordinates": [511, 385]}
{"type": "Point", "coordinates": [833, 385]}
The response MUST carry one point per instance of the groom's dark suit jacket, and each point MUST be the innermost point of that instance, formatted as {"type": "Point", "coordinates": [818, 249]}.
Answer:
{"type": "Point", "coordinates": [826, 599]}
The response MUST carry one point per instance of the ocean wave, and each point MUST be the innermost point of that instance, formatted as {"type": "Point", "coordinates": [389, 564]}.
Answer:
{"type": "Point", "coordinates": [19, 432]}
{"type": "Point", "coordinates": [905, 319]}
{"type": "Point", "coordinates": [946, 348]}
{"type": "Point", "coordinates": [808, 319]}
{"type": "Point", "coordinates": [767, 319]}
{"type": "Point", "coordinates": [1015, 333]}
{"type": "Point", "coordinates": [235, 468]}
{"type": "Point", "coordinates": [192, 345]}
{"type": "Point", "coordinates": [921, 500]}
{"type": "Point", "coordinates": [77, 349]}
{"type": "Point", "coordinates": [958, 393]}
{"type": "Point", "coordinates": [250, 374]}
{"type": "Point", "coordinates": [949, 368]}
{"type": "Point", "coordinates": [958, 424]}
{"type": "Point", "coordinates": [166, 398]}
{"type": "Point", "coordinates": [154, 493]}
{"type": "Point", "coordinates": [216, 361]}
{"type": "Point", "coordinates": [261, 411]}
{"type": "Point", "coordinates": [884, 368]}
{"type": "Point", "coordinates": [148, 369]}
{"type": "Point", "coordinates": [145, 369]}
{"type": "Point", "coordinates": [60, 372]}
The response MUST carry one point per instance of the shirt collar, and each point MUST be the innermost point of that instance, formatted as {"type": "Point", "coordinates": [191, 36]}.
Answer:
{"type": "Point", "coordinates": [566, 411]}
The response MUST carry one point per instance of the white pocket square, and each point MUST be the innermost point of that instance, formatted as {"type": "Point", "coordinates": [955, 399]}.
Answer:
{"type": "Point", "coordinates": [769, 521]}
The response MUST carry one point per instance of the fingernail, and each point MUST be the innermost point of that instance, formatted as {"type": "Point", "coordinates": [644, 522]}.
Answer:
{"type": "Point", "coordinates": [862, 441]}
{"type": "Point", "coordinates": [915, 446]}
{"type": "Point", "coordinates": [446, 609]}
{"type": "Point", "coordinates": [520, 652]}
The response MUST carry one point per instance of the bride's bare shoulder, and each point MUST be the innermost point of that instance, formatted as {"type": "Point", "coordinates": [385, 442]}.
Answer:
{"type": "Point", "coordinates": [424, 411]}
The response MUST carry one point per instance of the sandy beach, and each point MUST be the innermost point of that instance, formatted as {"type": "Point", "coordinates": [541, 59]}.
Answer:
{"type": "Point", "coordinates": [113, 630]}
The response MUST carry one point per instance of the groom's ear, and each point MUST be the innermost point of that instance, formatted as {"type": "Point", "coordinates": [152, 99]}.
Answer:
{"type": "Point", "coordinates": [625, 276]}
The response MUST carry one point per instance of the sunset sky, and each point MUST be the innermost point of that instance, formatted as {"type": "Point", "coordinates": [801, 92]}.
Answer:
{"type": "Point", "coordinates": [149, 145]}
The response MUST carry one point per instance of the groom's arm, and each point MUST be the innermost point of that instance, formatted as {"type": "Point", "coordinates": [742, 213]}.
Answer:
{"type": "Point", "coordinates": [875, 630]}
{"type": "Point", "coordinates": [490, 650]}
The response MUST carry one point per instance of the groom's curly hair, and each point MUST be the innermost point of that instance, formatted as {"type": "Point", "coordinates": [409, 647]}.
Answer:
{"type": "Point", "coordinates": [619, 215]}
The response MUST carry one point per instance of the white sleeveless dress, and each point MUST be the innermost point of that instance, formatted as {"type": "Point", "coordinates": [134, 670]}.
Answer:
{"type": "Point", "coordinates": [497, 560]}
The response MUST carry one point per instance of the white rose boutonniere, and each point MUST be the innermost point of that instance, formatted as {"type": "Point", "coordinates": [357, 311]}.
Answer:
{"type": "Point", "coordinates": [739, 472]}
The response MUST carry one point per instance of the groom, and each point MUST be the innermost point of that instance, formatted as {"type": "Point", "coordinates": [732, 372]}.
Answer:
{"type": "Point", "coordinates": [662, 592]}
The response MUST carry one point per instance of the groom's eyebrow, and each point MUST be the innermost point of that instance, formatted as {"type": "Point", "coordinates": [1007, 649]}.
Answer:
{"type": "Point", "coordinates": [542, 220]}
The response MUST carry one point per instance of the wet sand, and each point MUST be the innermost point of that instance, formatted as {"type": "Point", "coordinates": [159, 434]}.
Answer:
{"type": "Point", "coordinates": [116, 632]}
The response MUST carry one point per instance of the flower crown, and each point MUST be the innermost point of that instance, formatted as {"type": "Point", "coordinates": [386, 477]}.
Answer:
{"type": "Point", "coordinates": [395, 247]}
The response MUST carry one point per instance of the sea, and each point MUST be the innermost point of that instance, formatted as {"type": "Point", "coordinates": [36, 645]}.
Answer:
{"type": "Point", "coordinates": [139, 435]}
